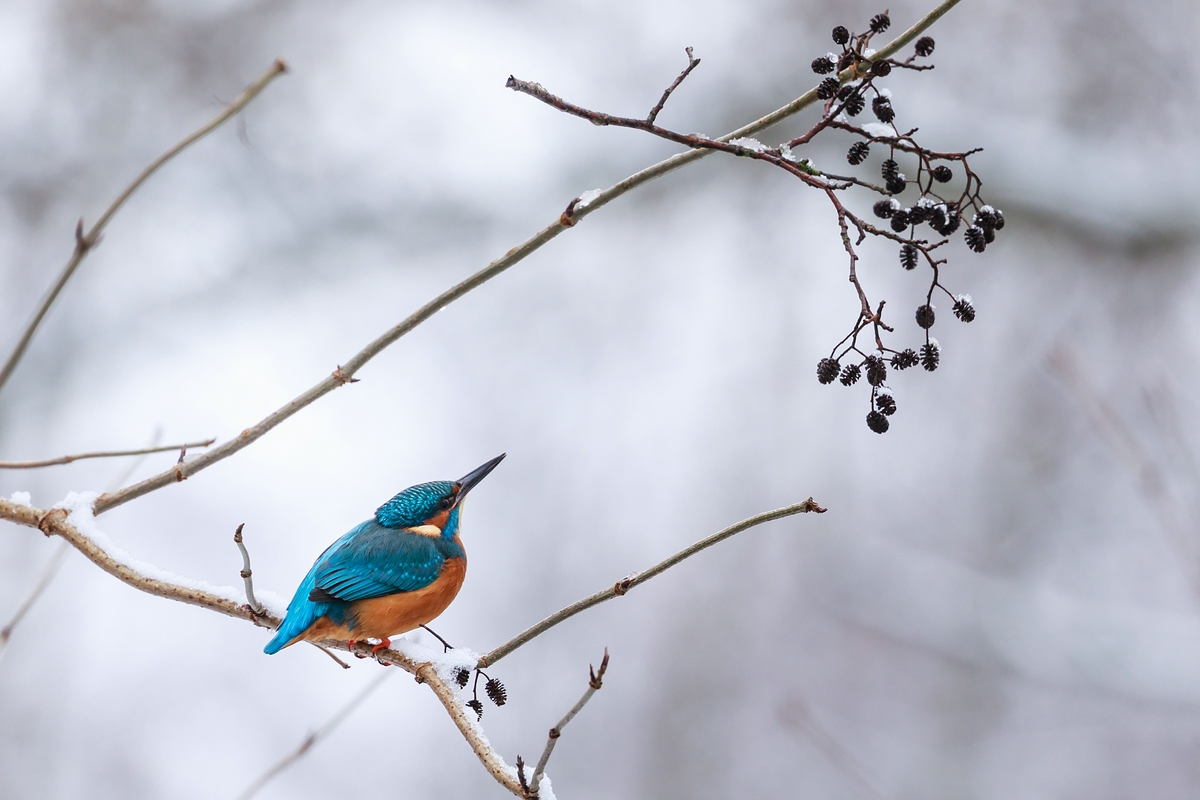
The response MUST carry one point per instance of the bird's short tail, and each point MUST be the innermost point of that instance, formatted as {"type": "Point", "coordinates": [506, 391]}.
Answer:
{"type": "Point", "coordinates": [301, 614]}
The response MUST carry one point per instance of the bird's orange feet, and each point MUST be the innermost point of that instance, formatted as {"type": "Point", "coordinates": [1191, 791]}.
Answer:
{"type": "Point", "coordinates": [350, 645]}
{"type": "Point", "coordinates": [384, 644]}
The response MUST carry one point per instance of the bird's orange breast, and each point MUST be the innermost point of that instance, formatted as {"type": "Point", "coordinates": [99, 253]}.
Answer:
{"type": "Point", "coordinates": [393, 614]}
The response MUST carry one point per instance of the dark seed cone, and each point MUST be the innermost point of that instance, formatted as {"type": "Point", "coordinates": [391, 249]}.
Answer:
{"type": "Point", "coordinates": [937, 218]}
{"type": "Point", "coordinates": [989, 235]}
{"type": "Point", "coordinates": [462, 676]}
{"type": "Point", "coordinates": [886, 404]}
{"type": "Point", "coordinates": [905, 359]}
{"type": "Point", "coordinates": [823, 65]}
{"type": "Point", "coordinates": [827, 370]}
{"type": "Point", "coordinates": [942, 173]}
{"type": "Point", "coordinates": [951, 223]}
{"type": "Point", "coordinates": [882, 108]}
{"type": "Point", "coordinates": [880, 23]}
{"type": "Point", "coordinates": [884, 209]}
{"type": "Point", "coordinates": [877, 422]}
{"type": "Point", "coordinates": [930, 356]}
{"type": "Point", "coordinates": [850, 374]}
{"type": "Point", "coordinates": [924, 46]}
{"type": "Point", "coordinates": [841, 35]}
{"type": "Point", "coordinates": [925, 316]}
{"type": "Point", "coordinates": [496, 692]}
{"type": "Point", "coordinates": [908, 256]}
{"type": "Point", "coordinates": [964, 310]}
{"type": "Point", "coordinates": [900, 222]}
{"type": "Point", "coordinates": [986, 219]}
{"type": "Point", "coordinates": [897, 185]}
{"type": "Point", "coordinates": [855, 104]}
{"type": "Point", "coordinates": [477, 707]}
{"type": "Point", "coordinates": [827, 88]}
{"type": "Point", "coordinates": [918, 214]}
{"type": "Point", "coordinates": [858, 153]}
{"type": "Point", "coordinates": [845, 91]}
{"type": "Point", "coordinates": [976, 239]}
{"type": "Point", "coordinates": [876, 370]}
{"type": "Point", "coordinates": [999, 218]}
{"type": "Point", "coordinates": [881, 69]}
{"type": "Point", "coordinates": [889, 169]}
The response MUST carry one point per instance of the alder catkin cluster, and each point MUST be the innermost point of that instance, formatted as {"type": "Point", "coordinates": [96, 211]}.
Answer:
{"type": "Point", "coordinates": [919, 213]}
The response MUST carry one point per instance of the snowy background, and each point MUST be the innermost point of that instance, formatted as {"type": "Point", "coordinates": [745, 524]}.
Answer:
{"type": "Point", "coordinates": [1001, 601]}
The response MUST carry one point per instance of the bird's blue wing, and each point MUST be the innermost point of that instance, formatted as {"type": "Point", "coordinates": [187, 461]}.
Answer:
{"type": "Point", "coordinates": [373, 561]}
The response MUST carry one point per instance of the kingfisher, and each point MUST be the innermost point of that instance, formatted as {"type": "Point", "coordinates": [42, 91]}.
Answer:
{"type": "Point", "coordinates": [389, 575]}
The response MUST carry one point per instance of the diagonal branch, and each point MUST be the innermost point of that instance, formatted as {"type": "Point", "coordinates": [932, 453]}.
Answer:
{"type": "Point", "coordinates": [595, 682]}
{"type": "Point", "coordinates": [52, 462]}
{"type": "Point", "coordinates": [313, 738]}
{"type": "Point", "coordinates": [85, 242]}
{"type": "Point", "coordinates": [47, 575]}
{"type": "Point", "coordinates": [345, 373]}
{"type": "Point", "coordinates": [622, 586]}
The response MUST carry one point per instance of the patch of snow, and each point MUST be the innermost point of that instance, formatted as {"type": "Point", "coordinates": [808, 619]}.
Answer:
{"type": "Point", "coordinates": [749, 144]}
{"type": "Point", "coordinates": [587, 198]}
{"type": "Point", "coordinates": [963, 298]}
{"type": "Point", "coordinates": [879, 129]}
{"type": "Point", "coordinates": [79, 505]}
{"type": "Point", "coordinates": [20, 498]}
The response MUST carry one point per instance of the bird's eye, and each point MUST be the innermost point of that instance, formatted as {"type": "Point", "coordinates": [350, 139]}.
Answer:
{"type": "Point", "coordinates": [445, 503]}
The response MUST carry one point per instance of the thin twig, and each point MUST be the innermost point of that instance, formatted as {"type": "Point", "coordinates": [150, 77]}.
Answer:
{"type": "Point", "coordinates": [53, 462]}
{"type": "Point", "coordinates": [47, 575]}
{"type": "Point", "coordinates": [692, 64]}
{"type": "Point", "coordinates": [246, 573]}
{"type": "Point", "coordinates": [345, 374]}
{"type": "Point", "coordinates": [625, 584]}
{"type": "Point", "coordinates": [313, 738]}
{"type": "Point", "coordinates": [85, 242]}
{"type": "Point", "coordinates": [595, 682]}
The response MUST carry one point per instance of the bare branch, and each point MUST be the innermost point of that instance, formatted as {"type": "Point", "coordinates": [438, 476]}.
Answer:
{"type": "Point", "coordinates": [54, 522]}
{"type": "Point", "coordinates": [85, 242]}
{"type": "Point", "coordinates": [246, 573]}
{"type": "Point", "coordinates": [313, 738]}
{"type": "Point", "coordinates": [595, 682]}
{"type": "Point", "coordinates": [53, 462]}
{"type": "Point", "coordinates": [625, 584]}
{"type": "Point", "coordinates": [345, 374]}
{"type": "Point", "coordinates": [692, 64]}
{"type": "Point", "coordinates": [47, 575]}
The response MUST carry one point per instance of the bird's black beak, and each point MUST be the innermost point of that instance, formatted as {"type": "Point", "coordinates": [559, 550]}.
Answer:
{"type": "Point", "coordinates": [467, 482]}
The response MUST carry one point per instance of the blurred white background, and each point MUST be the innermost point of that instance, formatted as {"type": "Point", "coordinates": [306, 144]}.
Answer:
{"type": "Point", "coordinates": [1001, 600]}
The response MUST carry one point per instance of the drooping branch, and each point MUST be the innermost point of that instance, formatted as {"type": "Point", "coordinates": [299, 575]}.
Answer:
{"type": "Point", "coordinates": [622, 586]}
{"type": "Point", "coordinates": [85, 242]}
{"type": "Point", "coordinates": [846, 94]}
{"type": "Point", "coordinates": [345, 374]}
{"type": "Point", "coordinates": [595, 682]}
{"type": "Point", "coordinates": [53, 462]}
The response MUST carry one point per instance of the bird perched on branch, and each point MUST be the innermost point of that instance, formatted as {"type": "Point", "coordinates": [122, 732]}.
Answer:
{"type": "Point", "coordinates": [388, 575]}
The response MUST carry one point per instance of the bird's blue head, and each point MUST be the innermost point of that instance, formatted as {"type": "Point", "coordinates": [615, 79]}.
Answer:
{"type": "Point", "coordinates": [432, 508]}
